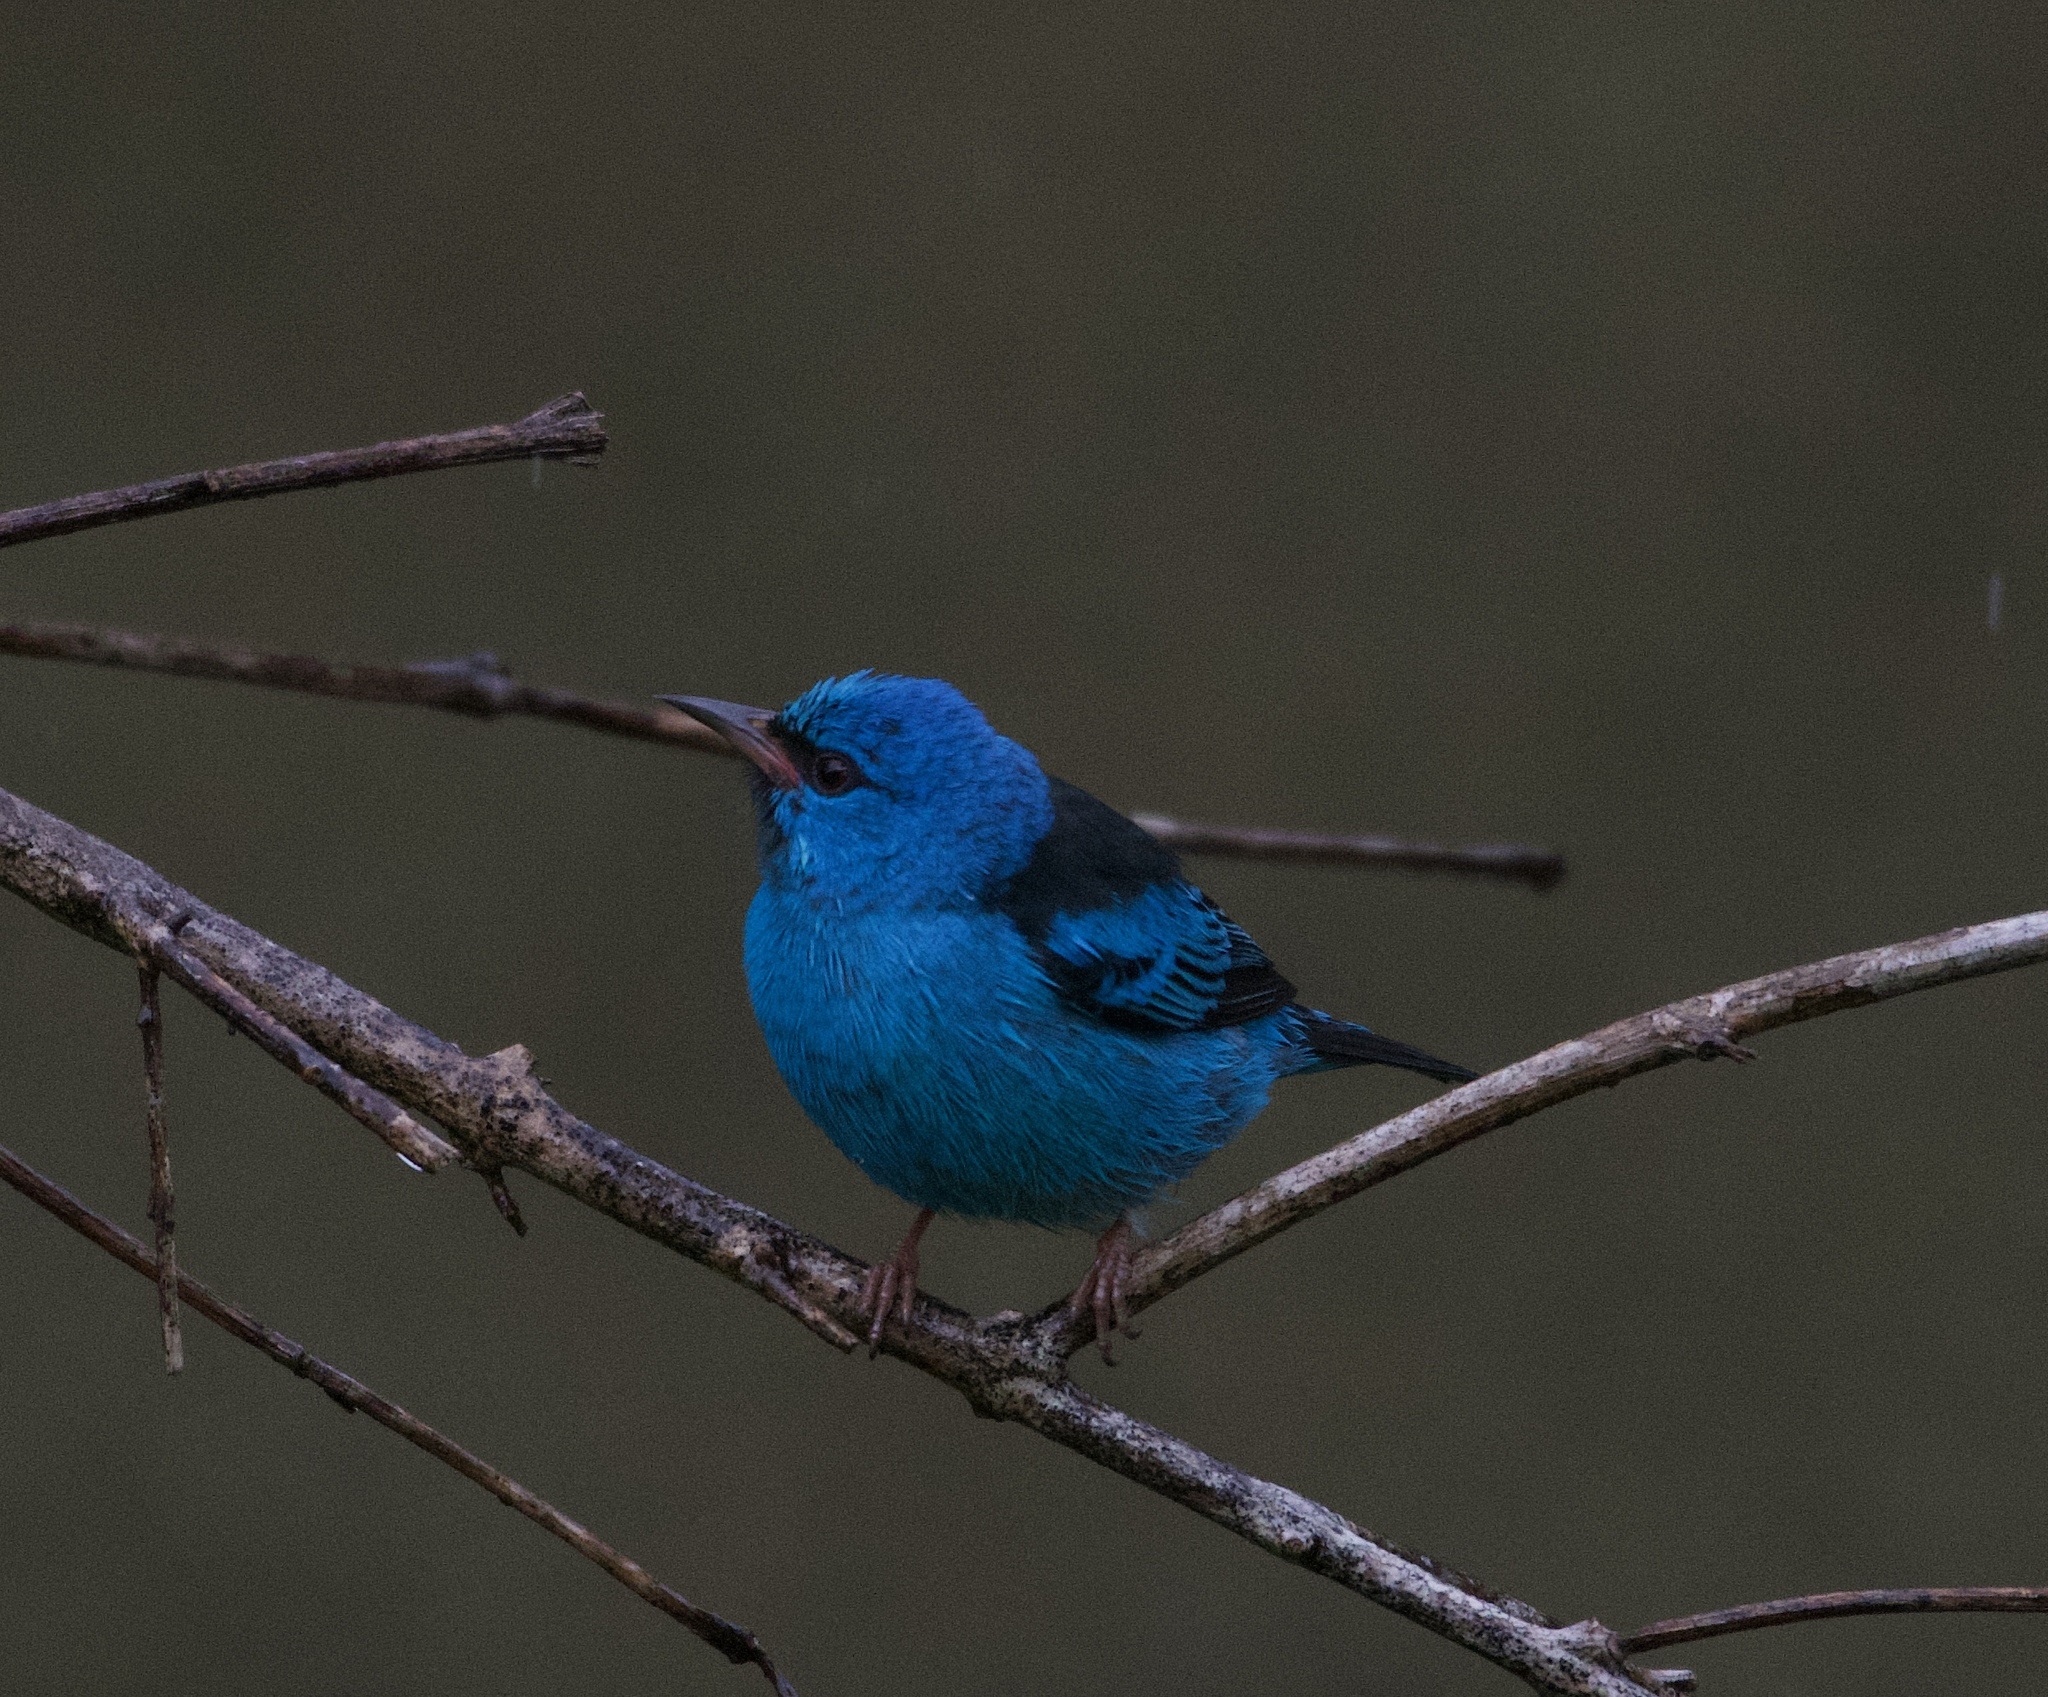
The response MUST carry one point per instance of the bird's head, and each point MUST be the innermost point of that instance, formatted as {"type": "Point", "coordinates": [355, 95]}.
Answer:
{"type": "Point", "coordinates": [882, 791]}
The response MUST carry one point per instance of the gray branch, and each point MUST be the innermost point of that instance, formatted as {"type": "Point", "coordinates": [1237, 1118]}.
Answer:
{"type": "Point", "coordinates": [495, 1107]}
{"type": "Point", "coordinates": [565, 429]}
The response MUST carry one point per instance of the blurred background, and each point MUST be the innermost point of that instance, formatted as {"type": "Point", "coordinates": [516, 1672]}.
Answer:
{"type": "Point", "coordinates": [1598, 426]}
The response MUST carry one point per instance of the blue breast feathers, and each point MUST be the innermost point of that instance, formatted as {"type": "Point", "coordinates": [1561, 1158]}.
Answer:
{"type": "Point", "coordinates": [935, 1052]}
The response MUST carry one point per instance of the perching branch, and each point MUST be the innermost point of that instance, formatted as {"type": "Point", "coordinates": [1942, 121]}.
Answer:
{"type": "Point", "coordinates": [151, 1020]}
{"type": "Point", "coordinates": [1701, 1027]}
{"type": "Point", "coordinates": [480, 686]}
{"type": "Point", "coordinates": [497, 1108]}
{"type": "Point", "coordinates": [735, 1643]}
{"type": "Point", "coordinates": [1832, 1605]}
{"type": "Point", "coordinates": [565, 429]}
{"type": "Point", "coordinates": [1005, 1366]}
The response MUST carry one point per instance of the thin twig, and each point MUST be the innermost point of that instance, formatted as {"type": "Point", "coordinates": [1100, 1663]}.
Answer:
{"type": "Point", "coordinates": [1701, 1027]}
{"type": "Point", "coordinates": [479, 686]}
{"type": "Point", "coordinates": [1007, 1366]}
{"type": "Point", "coordinates": [735, 1643]}
{"type": "Point", "coordinates": [161, 1213]}
{"type": "Point", "coordinates": [1539, 868]}
{"type": "Point", "coordinates": [1832, 1605]}
{"type": "Point", "coordinates": [568, 428]}
{"type": "Point", "coordinates": [476, 685]}
{"type": "Point", "coordinates": [417, 1145]}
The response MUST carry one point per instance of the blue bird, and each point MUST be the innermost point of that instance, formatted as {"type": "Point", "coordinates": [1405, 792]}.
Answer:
{"type": "Point", "coordinates": [997, 995]}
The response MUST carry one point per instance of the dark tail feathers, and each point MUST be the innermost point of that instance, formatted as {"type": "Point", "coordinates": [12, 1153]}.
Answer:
{"type": "Point", "coordinates": [1339, 1043]}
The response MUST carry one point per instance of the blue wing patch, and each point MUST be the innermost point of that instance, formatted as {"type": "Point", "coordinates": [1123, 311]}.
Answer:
{"type": "Point", "coordinates": [1124, 937]}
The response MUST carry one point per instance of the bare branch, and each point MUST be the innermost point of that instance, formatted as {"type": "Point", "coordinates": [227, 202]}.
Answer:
{"type": "Point", "coordinates": [735, 1643]}
{"type": "Point", "coordinates": [498, 1105]}
{"type": "Point", "coordinates": [161, 1213]}
{"type": "Point", "coordinates": [1702, 1027]}
{"type": "Point", "coordinates": [479, 686]}
{"type": "Point", "coordinates": [565, 429]}
{"type": "Point", "coordinates": [1007, 1366]}
{"type": "Point", "coordinates": [1832, 1605]}
{"type": "Point", "coordinates": [1539, 868]}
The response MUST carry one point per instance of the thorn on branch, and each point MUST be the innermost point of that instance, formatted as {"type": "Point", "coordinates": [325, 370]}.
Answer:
{"type": "Point", "coordinates": [150, 1018]}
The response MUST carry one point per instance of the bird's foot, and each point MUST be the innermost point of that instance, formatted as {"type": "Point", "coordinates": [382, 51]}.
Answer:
{"type": "Point", "coordinates": [892, 1284]}
{"type": "Point", "coordinates": [1102, 1292]}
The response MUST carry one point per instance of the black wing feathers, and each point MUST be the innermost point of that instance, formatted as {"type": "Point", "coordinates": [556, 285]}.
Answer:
{"type": "Point", "coordinates": [1121, 933]}
{"type": "Point", "coordinates": [1125, 938]}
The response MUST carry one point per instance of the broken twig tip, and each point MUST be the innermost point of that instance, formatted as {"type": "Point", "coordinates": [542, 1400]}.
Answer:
{"type": "Point", "coordinates": [507, 1204]}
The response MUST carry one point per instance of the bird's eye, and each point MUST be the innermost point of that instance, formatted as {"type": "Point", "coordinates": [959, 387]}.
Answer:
{"type": "Point", "coordinates": [834, 774]}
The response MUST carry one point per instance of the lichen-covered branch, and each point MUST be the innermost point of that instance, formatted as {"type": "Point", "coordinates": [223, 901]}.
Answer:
{"type": "Point", "coordinates": [497, 1108]}
{"type": "Point", "coordinates": [479, 685]}
{"type": "Point", "coordinates": [568, 428]}
{"type": "Point", "coordinates": [735, 1643]}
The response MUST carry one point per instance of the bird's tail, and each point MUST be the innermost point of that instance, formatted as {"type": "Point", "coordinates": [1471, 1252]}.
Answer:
{"type": "Point", "coordinates": [1338, 1043]}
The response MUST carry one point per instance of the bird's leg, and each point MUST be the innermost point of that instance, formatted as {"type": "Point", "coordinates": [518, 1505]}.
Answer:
{"type": "Point", "coordinates": [1102, 1291]}
{"type": "Point", "coordinates": [893, 1281]}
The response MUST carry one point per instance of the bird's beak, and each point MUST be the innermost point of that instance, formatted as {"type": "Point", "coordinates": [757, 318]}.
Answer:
{"type": "Point", "coordinates": [746, 728]}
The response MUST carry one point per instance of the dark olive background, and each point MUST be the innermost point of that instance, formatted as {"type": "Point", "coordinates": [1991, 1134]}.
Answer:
{"type": "Point", "coordinates": [1596, 425]}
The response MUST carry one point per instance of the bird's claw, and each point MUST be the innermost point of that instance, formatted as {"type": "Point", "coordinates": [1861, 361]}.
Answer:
{"type": "Point", "coordinates": [1104, 1292]}
{"type": "Point", "coordinates": [886, 1286]}
{"type": "Point", "coordinates": [892, 1283]}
